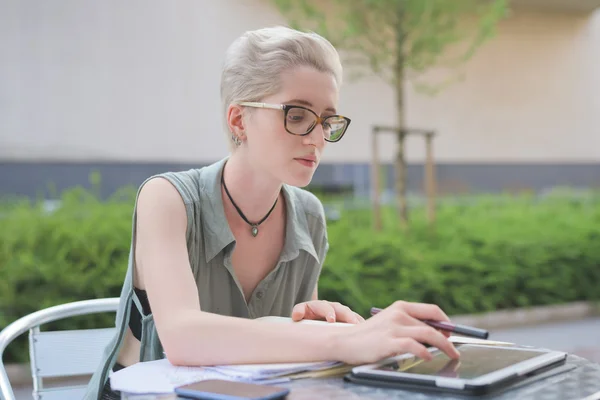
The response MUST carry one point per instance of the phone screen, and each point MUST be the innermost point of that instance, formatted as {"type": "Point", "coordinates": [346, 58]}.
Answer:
{"type": "Point", "coordinates": [232, 388]}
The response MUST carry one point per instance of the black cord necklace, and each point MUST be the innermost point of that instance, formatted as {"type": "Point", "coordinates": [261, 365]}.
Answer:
{"type": "Point", "coordinates": [254, 226]}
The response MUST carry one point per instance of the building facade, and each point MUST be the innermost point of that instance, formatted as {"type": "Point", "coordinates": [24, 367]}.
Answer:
{"type": "Point", "coordinates": [129, 89]}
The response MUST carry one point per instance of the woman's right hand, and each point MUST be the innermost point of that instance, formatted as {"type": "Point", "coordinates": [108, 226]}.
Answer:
{"type": "Point", "coordinates": [393, 331]}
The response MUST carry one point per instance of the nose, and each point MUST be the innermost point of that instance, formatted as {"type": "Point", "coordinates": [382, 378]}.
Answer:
{"type": "Point", "coordinates": [317, 136]}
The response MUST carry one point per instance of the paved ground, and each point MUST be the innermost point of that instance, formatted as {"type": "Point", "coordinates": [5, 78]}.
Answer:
{"type": "Point", "coordinates": [576, 337]}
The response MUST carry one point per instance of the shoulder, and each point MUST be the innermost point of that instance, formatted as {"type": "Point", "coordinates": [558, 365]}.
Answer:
{"type": "Point", "coordinates": [159, 200]}
{"type": "Point", "coordinates": [176, 192]}
{"type": "Point", "coordinates": [166, 190]}
{"type": "Point", "coordinates": [186, 183]}
{"type": "Point", "coordinates": [191, 184]}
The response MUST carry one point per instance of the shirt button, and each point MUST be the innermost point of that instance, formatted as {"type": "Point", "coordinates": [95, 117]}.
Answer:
{"type": "Point", "coordinates": [259, 295]}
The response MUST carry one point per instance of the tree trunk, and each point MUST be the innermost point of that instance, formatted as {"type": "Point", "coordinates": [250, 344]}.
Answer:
{"type": "Point", "coordinates": [430, 180]}
{"type": "Point", "coordinates": [400, 162]}
{"type": "Point", "coordinates": [376, 181]}
{"type": "Point", "coordinates": [400, 166]}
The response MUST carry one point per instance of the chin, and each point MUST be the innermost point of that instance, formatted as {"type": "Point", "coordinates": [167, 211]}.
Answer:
{"type": "Point", "coordinates": [296, 174]}
{"type": "Point", "coordinates": [298, 180]}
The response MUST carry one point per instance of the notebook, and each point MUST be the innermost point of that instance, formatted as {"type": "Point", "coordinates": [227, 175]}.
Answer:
{"type": "Point", "coordinates": [270, 371]}
{"type": "Point", "coordinates": [160, 376]}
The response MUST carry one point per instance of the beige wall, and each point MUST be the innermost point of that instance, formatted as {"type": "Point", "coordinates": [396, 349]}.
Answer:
{"type": "Point", "coordinates": [138, 81]}
{"type": "Point", "coordinates": [114, 80]}
{"type": "Point", "coordinates": [532, 94]}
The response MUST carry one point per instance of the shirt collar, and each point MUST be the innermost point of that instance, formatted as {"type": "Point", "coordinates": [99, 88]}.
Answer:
{"type": "Point", "coordinates": [297, 235]}
{"type": "Point", "coordinates": [218, 235]}
{"type": "Point", "coordinates": [215, 228]}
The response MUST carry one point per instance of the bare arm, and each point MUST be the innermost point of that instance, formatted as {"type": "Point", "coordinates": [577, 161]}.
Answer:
{"type": "Point", "coordinates": [190, 336]}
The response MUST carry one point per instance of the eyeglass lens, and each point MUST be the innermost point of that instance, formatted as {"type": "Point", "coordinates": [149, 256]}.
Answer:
{"type": "Point", "coordinates": [300, 121]}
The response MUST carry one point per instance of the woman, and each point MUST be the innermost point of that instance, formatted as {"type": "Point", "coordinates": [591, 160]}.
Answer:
{"type": "Point", "coordinates": [214, 248]}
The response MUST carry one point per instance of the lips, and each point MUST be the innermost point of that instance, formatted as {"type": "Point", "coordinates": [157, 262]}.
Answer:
{"type": "Point", "coordinates": [307, 162]}
{"type": "Point", "coordinates": [308, 158]}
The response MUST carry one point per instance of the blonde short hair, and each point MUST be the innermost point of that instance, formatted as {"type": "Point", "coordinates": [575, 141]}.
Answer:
{"type": "Point", "coordinates": [255, 61]}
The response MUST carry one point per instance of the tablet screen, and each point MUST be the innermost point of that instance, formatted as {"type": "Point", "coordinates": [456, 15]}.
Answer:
{"type": "Point", "coordinates": [474, 362]}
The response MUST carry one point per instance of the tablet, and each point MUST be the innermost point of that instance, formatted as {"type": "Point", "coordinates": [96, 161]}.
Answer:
{"type": "Point", "coordinates": [480, 369]}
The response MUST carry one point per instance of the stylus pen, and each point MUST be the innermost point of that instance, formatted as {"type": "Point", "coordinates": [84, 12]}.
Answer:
{"type": "Point", "coordinates": [450, 327]}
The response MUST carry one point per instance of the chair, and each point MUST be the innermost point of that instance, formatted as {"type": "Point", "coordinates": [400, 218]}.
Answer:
{"type": "Point", "coordinates": [58, 353]}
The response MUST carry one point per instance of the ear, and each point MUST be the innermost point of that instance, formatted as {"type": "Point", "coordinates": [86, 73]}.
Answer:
{"type": "Point", "coordinates": [235, 120]}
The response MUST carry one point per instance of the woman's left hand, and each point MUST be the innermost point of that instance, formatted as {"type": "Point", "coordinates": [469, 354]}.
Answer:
{"type": "Point", "coordinates": [325, 310]}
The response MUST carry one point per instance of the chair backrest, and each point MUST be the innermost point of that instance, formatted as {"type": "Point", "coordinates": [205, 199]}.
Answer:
{"type": "Point", "coordinates": [65, 353]}
{"type": "Point", "coordinates": [56, 354]}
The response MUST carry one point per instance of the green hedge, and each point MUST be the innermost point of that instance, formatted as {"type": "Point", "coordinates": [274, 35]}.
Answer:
{"type": "Point", "coordinates": [490, 254]}
{"type": "Point", "coordinates": [487, 253]}
{"type": "Point", "coordinates": [76, 252]}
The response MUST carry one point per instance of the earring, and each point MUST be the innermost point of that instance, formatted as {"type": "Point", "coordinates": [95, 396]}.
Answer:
{"type": "Point", "coordinates": [236, 140]}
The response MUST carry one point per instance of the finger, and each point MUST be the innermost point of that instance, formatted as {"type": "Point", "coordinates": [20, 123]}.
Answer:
{"type": "Point", "coordinates": [359, 317]}
{"type": "Point", "coordinates": [344, 313]}
{"type": "Point", "coordinates": [424, 311]}
{"type": "Point", "coordinates": [410, 321]}
{"type": "Point", "coordinates": [298, 312]}
{"type": "Point", "coordinates": [445, 333]}
{"type": "Point", "coordinates": [408, 345]}
{"type": "Point", "coordinates": [322, 309]}
{"type": "Point", "coordinates": [405, 319]}
{"type": "Point", "coordinates": [432, 337]}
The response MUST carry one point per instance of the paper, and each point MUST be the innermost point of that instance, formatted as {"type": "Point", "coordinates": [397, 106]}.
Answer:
{"type": "Point", "coordinates": [158, 376]}
{"type": "Point", "coordinates": [340, 370]}
{"type": "Point", "coordinates": [469, 340]}
{"type": "Point", "coordinates": [161, 376]}
{"type": "Point", "coordinates": [266, 371]}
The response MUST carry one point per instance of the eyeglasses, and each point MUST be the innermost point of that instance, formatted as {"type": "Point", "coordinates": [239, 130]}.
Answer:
{"type": "Point", "coordinates": [301, 121]}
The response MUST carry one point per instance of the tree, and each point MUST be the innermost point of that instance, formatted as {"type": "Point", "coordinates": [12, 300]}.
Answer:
{"type": "Point", "coordinates": [399, 40]}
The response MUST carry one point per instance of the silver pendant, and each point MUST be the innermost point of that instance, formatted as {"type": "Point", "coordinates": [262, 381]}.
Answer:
{"type": "Point", "coordinates": [254, 231]}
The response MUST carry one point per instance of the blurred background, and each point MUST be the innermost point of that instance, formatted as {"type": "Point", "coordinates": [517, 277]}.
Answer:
{"type": "Point", "coordinates": [501, 213]}
{"type": "Point", "coordinates": [131, 89]}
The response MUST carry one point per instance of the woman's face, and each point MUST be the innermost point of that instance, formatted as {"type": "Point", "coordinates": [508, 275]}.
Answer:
{"type": "Point", "coordinates": [271, 148]}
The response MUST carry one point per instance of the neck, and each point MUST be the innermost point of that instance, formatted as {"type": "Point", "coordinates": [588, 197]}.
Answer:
{"type": "Point", "coordinates": [253, 191]}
